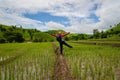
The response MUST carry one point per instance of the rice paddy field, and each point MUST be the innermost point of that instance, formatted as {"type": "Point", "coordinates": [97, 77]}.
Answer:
{"type": "Point", "coordinates": [35, 61]}
{"type": "Point", "coordinates": [91, 62]}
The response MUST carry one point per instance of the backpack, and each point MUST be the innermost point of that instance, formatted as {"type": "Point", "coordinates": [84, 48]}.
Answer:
{"type": "Point", "coordinates": [58, 37]}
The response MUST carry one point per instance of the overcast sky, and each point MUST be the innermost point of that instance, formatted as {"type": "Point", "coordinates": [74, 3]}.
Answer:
{"type": "Point", "coordinates": [76, 16]}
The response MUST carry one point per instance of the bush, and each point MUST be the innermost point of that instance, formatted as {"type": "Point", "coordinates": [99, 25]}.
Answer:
{"type": "Point", "coordinates": [2, 40]}
{"type": "Point", "coordinates": [13, 37]}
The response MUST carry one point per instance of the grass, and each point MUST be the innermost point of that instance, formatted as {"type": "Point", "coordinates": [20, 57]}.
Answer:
{"type": "Point", "coordinates": [36, 62]}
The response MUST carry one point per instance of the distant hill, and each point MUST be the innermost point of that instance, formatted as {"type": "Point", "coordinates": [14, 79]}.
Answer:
{"type": "Point", "coordinates": [55, 31]}
{"type": "Point", "coordinates": [11, 34]}
{"type": "Point", "coordinates": [19, 34]}
{"type": "Point", "coordinates": [112, 33]}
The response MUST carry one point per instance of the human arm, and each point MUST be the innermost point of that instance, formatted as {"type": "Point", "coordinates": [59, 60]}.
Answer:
{"type": "Point", "coordinates": [63, 35]}
{"type": "Point", "coordinates": [53, 35]}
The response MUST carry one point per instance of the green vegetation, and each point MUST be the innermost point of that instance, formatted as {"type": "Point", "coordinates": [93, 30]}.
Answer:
{"type": "Point", "coordinates": [54, 31]}
{"type": "Point", "coordinates": [18, 34]}
{"type": "Point", "coordinates": [36, 61]}
{"type": "Point", "coordinates": [43, 37]}
{"type": "Point", "coordinates": [94, 62]}
{"type": "Point", "coordinates": [112, 33]}
{"type": "Point", "coordinates": [11, 34]}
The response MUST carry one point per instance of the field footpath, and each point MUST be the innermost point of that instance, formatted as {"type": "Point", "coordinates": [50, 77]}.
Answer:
{"type": "Point", "coordinates": [99, 44]}
{"type": "Point", "coordinates": [61, 69]}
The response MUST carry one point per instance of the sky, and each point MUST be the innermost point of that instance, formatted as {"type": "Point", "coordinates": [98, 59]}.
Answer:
{"type": "Point", "coordinates": [75, 16]}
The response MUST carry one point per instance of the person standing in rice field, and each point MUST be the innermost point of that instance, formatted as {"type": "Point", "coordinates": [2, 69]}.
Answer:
{"type": "Point", "coordinates": [59, 37]}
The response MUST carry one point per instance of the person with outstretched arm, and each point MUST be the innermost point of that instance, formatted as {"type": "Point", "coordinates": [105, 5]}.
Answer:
{"type": "Point", "coordinates": [59, 37]}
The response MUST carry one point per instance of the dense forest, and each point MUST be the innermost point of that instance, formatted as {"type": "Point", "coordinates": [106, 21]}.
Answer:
{"type": "Point", "coordinates": [9, 34]}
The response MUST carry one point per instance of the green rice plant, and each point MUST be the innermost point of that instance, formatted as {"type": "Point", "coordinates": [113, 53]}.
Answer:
{"type": "Point", "coordinates": [84, 77]}
{"type": "Point", "coordinates": [92, 72]}
{"type": "Point", "coordinates": [35, 63]}
{"type": "Point", "coordinates": [99, 59]}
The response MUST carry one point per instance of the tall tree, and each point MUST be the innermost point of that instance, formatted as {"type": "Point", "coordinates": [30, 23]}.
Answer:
{"type": "Point", "coordinates": [96, 34]}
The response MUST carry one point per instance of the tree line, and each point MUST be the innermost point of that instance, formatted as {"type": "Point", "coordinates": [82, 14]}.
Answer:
{"type": "Point", "coordinates": [113, 32]}
{"type": "Point", "coordinates": [9, 34]}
